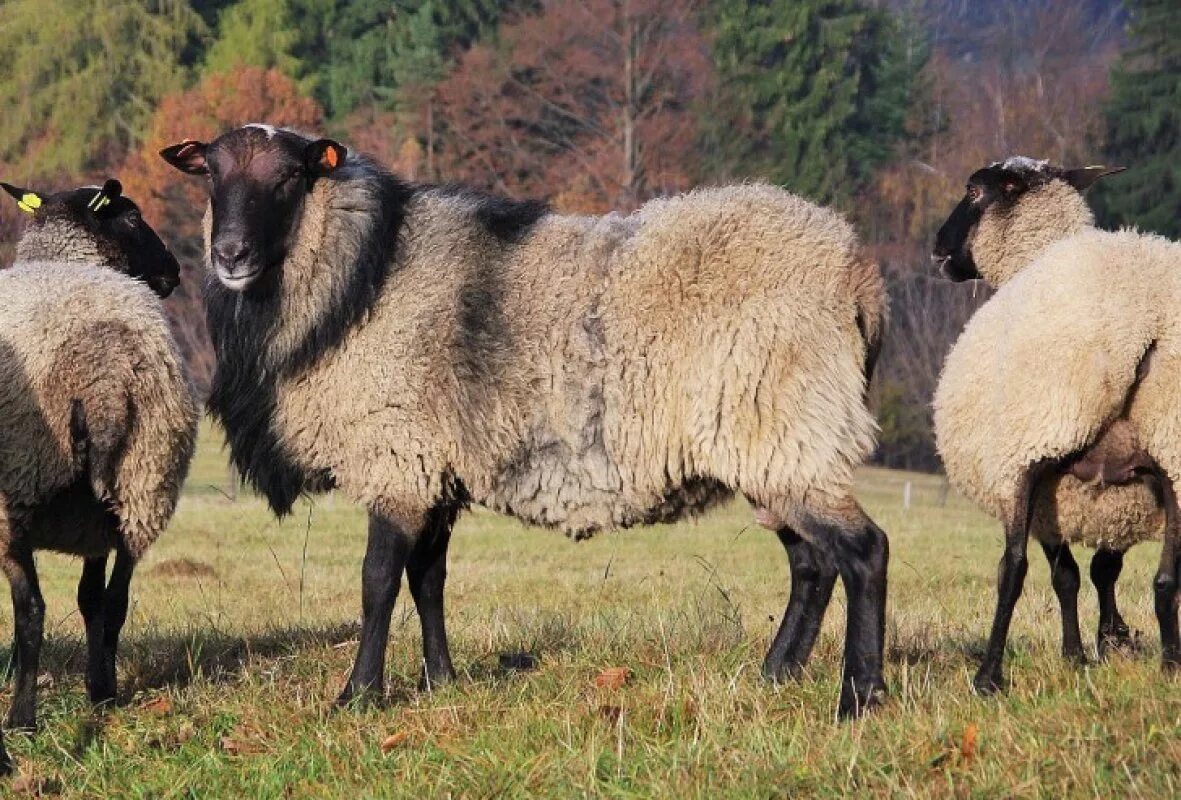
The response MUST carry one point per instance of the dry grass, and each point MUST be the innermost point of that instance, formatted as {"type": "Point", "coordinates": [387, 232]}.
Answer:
{"type": "Point", "coordinates": [243, 630]}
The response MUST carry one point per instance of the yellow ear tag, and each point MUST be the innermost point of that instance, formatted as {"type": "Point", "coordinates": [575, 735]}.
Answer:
{"type": "Point", "coordinates": [100, 200]}
{"type": "Point", "coordinates": [29, 203]}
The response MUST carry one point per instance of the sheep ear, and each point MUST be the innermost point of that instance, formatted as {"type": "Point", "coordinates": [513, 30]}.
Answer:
{"type": "Point", "coordinates": [187, 156]}
{"type": "Point", "coordinates": [103, 197]}
{"type": "Point", "coordinates": [1083, 177]}
{"type": "Point", "coordinates": [26, 200]}
{"type": "Point", "coordinates": [324, 156]}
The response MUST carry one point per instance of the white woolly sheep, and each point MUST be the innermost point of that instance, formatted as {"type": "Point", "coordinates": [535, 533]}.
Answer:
{"type": "Point", "coordinates": [1057, 408]}
{"type": "Point", "coordinates": [97, 417]}
{"type": "Point", "coordinates": [422, 348]}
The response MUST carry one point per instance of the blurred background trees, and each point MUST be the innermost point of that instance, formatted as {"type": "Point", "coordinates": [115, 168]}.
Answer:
{"type": "Point", "coordinates": [879, 107]}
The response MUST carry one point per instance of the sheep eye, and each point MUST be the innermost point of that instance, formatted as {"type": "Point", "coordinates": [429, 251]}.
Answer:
{"type": "Point", "coordinates": [975, 193]}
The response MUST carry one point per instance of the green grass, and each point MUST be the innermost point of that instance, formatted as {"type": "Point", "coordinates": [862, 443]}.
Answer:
{"type": "Point", "coordinates": [243, 629]}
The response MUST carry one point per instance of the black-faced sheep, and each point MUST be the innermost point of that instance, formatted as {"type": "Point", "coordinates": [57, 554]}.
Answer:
{"type": "Point", "coordinates": [1057, 410]}
{"type": "Point", "coordinates": [97, 417]}
{"type": "Point", "coordinates": [423, 347]}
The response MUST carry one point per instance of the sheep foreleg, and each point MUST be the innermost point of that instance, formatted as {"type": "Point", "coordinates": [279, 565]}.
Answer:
{"type": "Point", "coordinates": [813, 576]}
{"type": "Point", "coordinates": [1165, 583]}
{"type": "Point", "coordinates": [28, 611]}
{"type": "Point", "coordinates": [1064, 575]}
{"type": "Point", "coordinates": [426, 572]}
{"type": "Point", "coordinates": [1010, 579]}
{"type": "Point", "coordinates": [381, 574]}
{"type": "Point", "coordinates": [1106, 566]}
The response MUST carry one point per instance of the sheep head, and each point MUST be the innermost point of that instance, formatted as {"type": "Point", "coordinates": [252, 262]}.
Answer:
{"type": "Point", "coordinates": [259, 177]}
{"type": "Point", "coordinates": [94, 224]}
{"type": "Point", "coordinates": [1011, 211]}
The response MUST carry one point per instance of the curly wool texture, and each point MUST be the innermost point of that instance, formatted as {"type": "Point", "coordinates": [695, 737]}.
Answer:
{"type": "Point", "coordinates": [83, 343]}
{"type": "Point", "coordinates": [1051, 360]}
{"type": "Point", "coordinates": [589, 373]}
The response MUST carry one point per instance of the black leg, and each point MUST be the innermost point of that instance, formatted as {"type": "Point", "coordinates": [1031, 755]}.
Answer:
{"type": "Point", "coordinates": [1165, 583]}
{"type": "Point", "coordinates": [381, 575]}
{"type": "Point", "coordinates": [861, 553]}
{"type": "Point", "coordinates": [426, 572]}
{"type": "Point", "coordinates": [1106, 566]}
{"type": "Point", "coordinates": [91, 588]}
{"type": "Point", "coordinates": [862, 562]}
{"type": "Point", "coordinates": [813, 576]}
{"type": "Point", "coordinates": [5, 759]}
{"type": "Point", "coordinates": [114, 615]}
{"type": "Point", "coordinates": [1010, 580]}
{"type": "Point", "coordinates": [1064, 575]}
{"type": "Point", "coordinates": [28, 609]}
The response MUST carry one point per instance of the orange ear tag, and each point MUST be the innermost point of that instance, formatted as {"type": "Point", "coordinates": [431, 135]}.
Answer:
{"type": "Point", "coordinates": [330, 158]}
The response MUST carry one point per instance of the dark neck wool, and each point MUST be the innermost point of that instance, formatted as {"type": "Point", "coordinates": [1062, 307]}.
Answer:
{"type": "Point", "coordinates": [246, 330]}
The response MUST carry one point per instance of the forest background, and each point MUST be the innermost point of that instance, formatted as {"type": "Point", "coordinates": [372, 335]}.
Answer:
{"type": "Point", "coordinates": [881, 109]}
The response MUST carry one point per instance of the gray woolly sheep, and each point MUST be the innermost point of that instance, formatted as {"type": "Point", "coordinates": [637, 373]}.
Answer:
{"type": "Point", "coordinates": [1057, 408]}
{"type": "Point", "coordinates": [97, 418]}
{"type": "Point", "coordinates": [421, 348]}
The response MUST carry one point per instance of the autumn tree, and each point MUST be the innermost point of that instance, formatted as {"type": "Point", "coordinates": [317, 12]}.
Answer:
{"type": "Point", "coordinates": [591, 100]}
{"type": "Point", "coordinates": [1009, 77]}
{"type": "Point", "coordinates": [174, 204]}
{"type": "Point", "coordinates": [80, 78]}
{"type": "Point", "coordinates": [352, 55]}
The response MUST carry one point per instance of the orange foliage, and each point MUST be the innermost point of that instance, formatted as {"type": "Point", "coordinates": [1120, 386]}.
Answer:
{"type": "Point", "coordinates": [588, 101]}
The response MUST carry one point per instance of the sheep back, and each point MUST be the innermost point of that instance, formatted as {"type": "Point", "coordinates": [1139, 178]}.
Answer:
{"type": "Point", "coordinates": [595, 372]}
{"type": "Point", "coordinates": [86, 351]}
{"type": "Point", "coordinates": [1050, 361]}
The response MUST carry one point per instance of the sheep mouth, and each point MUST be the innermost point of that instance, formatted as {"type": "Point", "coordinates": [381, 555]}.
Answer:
{"type": "Point", "coordinates": [239, 281]}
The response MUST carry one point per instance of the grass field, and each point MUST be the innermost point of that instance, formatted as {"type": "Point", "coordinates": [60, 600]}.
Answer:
{"type": "Point", "coordinates": [243, 629]}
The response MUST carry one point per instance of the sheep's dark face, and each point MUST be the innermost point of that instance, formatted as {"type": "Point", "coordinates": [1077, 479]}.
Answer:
{"type": "Point", "coordinates": [259, 177]}
{"type": "Point", "coordinates": [997, 190]}
{"type": "Point", "coordinates": [953, 243]}
{"type": "Point", "coordinates": [98, 225]}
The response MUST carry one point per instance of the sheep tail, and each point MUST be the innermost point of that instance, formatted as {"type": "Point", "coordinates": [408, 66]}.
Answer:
{"type": "Point", "coordinates": [873, 309]}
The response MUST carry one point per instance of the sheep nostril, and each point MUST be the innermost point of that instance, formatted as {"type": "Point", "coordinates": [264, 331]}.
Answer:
{"type": "Point", "coordinates": [231, 255]}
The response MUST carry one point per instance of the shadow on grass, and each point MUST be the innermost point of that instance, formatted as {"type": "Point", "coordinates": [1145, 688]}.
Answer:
{"type": "Point", "coordinates": [176, 658]}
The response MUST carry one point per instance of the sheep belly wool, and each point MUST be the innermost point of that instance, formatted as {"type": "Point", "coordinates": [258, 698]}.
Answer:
{"type": "Point", "coordinates": [87, 346]}
{"type": "Point", "coordinates": [594, 372]}
{"type": "Point", "coordinates": [1051, 361]}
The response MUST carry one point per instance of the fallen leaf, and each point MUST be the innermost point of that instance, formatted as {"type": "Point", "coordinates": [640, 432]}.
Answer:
{"type": "Point", "coordinates": [159, 705]}
{"type": "Point", "coordinates": [968, 745]}
{"type": "Point", "coordinates": [243, 741]}
{"type": "Point", "coordinates": [612, 677]}
{"type": "Point", "coordinates": [393, 740]}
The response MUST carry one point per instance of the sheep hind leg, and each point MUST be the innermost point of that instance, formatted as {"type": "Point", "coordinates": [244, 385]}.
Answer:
{"type": "Point", "coordinates": [1064, 576]}
{"type": "Point", "coordinates": [1167, 577]}
{"type": "Point", "coordinates": [1106, 566]}
{"type": "Point", "coordinates": [813, 576]}
{"type": "Point", "coordinates": [381, 574]}
{"type": "Point", "coordinates": [426, 572]}
{"type": "Point", "coordinates": [28, 607]}
{"type": "Point", "coordinates": [861, 552]}
{"type": "Point", "coordinates": [1010, 579]}
{"type": "Point", "coordinates": [91, 588]}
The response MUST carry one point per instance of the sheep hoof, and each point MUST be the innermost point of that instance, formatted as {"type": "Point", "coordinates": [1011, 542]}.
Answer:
{"type": "Point", "coordinates": [989, 683]}
{"type": "Point", "coordinates": [429, 683]}
{"type": "Point", "coordinates": [785, 672]}
{"type": "Point", "coordinates": [23, 722]}
{"type": "Point", "coordinates": [360, 697]}
{"type": "Point", "coordinates": [1076, 656]}
{"type": "Point", "coordinates": [1121, 640]}
{"type": "Point", "coordinates": [1171, 663]}
{"type": "Point", "coordinates": [857, 700]}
